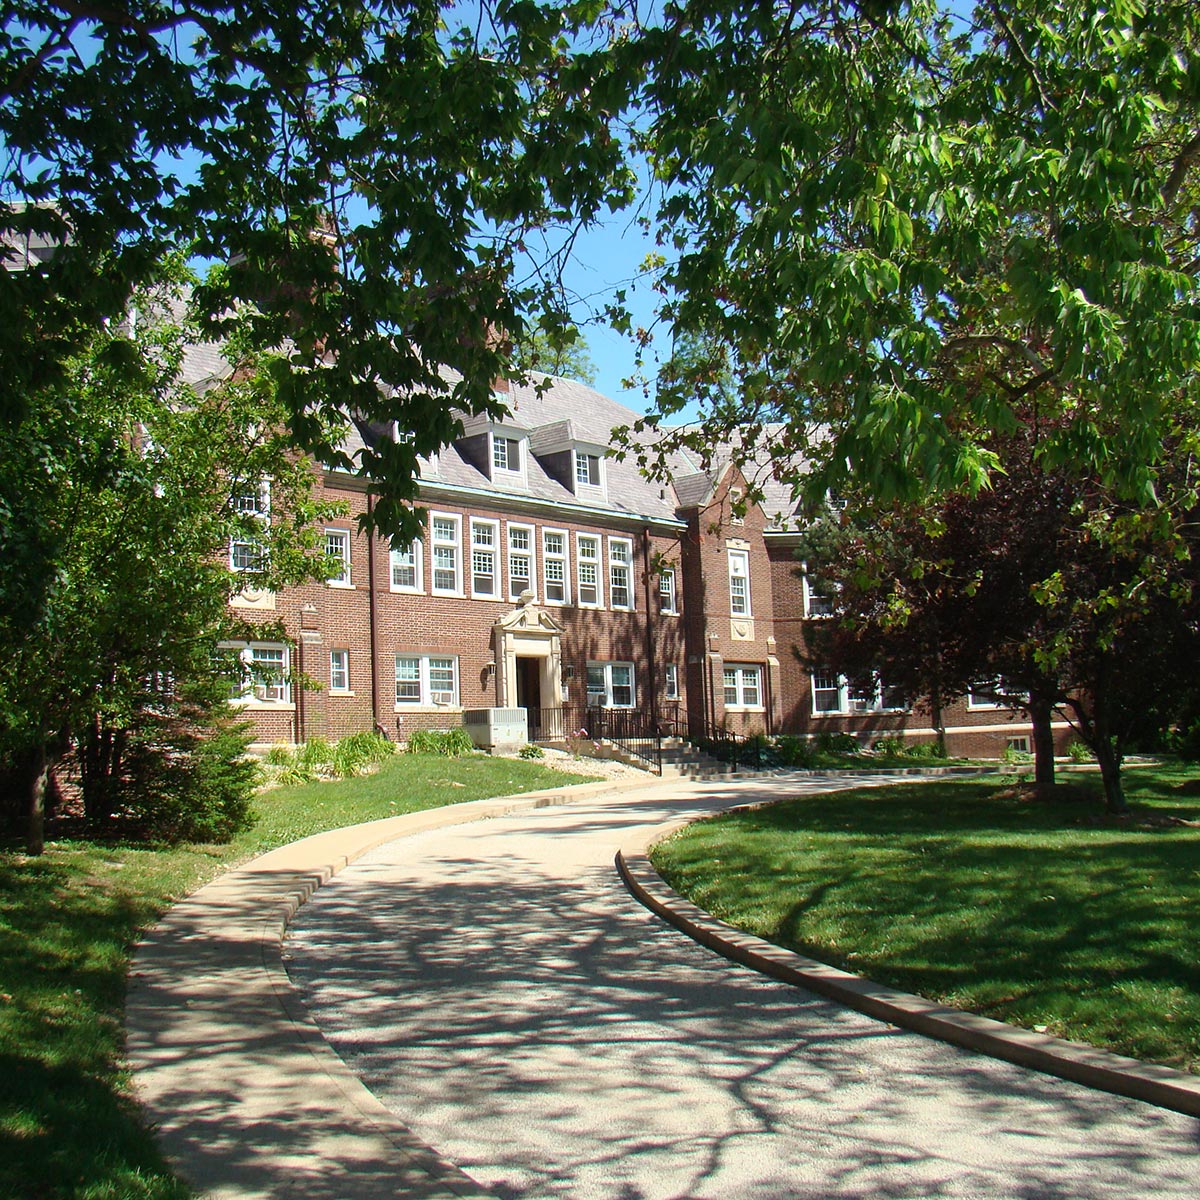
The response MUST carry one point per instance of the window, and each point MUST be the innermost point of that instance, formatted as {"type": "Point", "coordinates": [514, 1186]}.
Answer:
{"type": "Point", "coordinates": [444, 535]}
{"type": "Point", "coordinates": [339, 670]}
{"type": "Point", "coordinates": [484, 536]}
{"type": "Point", "coordinates": [337, 550]}
{"type": "Point", "coordinates": [818, 599]}
{"type": "Point", "coordinates": [265, 668]}
{"type": "Point", "coordinates": [426, 679]}
{"type": "Point", "coordinates": [739, 583]}
{"type": "Point", "coordinates": [587, 565]}
{"type": "Point", "coordinates": [620, 560]}
{"type": "Point", "coordinates": [743, 685]}
{"type": "Point", "coordinates": [587, 469]}
{"type": "Point", "coordinates": [995, 693]}
{"type": "Point", "coordinates": [834, 693]}
{"type": "Point", "coordinates": [671, 681]}
{"type": "Point", "coordinates": [520, 560]}
{"type": "Point", "coordinates": [506, 454]}
{"type": "Point", "coordinates": [247, 552]}
{"type": "Point", "coordinates": [610, 685]}
{"type": "Point", "coordinates": [666, 590]}
{"type": "Point", "coordinates": [554, 566]}
{"type": "Point", "coordinates": [406, 568]}
{"type": "Point", "coordinates": [828, 693]}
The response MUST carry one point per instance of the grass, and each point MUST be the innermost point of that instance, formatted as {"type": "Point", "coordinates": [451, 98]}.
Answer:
{"type": "Point", "coordinates": [68, 1125]}
{"type": "Point", "coordinates": [1043, 913]}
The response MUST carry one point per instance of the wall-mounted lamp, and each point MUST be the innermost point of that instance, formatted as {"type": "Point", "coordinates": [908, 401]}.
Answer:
{"type": "Point", "coordinates": [568, 671]}
{"type": "Point", "coordinates": [489, 668]}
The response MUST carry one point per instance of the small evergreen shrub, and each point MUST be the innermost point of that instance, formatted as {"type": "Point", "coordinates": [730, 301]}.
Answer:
{"type": "Point", "coordinates": [449, 743]}
{"type": "Point", "coordinates": [529, 750]}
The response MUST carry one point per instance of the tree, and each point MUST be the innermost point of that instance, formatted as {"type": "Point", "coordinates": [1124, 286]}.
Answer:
{"type": "Point", "coordinates": [1074, 599]}
{"type": "Point", "coordinates": [366, 176]}
{"type": "Point", "coordinates": [563, 354]}
{"type": "Point", "coordinates": [904, 225]}
{"type": "Point", "coordinates": [129, 485]}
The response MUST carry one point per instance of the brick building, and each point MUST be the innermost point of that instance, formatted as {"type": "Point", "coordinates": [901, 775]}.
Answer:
{"type": "Point", "coordinates": [552, 575]}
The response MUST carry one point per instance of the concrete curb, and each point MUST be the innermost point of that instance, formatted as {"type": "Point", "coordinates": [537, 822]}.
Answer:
{"type": "Point", "coordinates": [246, 1097]}
{"type": "Point", "coordinates": [1094, 1068]}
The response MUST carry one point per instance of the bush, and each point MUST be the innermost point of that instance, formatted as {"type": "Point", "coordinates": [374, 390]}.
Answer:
{"type": "Point", "coordinates": [1078, 752]}
{"type": "Point", "coordinates": [837, 743]}
{"type": "Point", "coordinates": [1185, 741]}
{"type": "Point", "coordinates": [792, 751]}
{"type": "Point", "coordinates": [890, 746]}
{"type": "Point", "coordinates": [531, 751]}
{"type": "Point", "coordinates": [353, 754]}
{"type": "Point", "coordinates": [315, 753]}
{"type": "Point", "coordinates": [1013, 755]}
{"type": "Point", "coordinates": [449, 743]}
{"type": "Point", "coordinates": [279, 755]}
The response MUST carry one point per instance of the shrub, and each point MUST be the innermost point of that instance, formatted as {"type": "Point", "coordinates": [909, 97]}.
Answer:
{"type": "Point", "coordinates": [531, 751]}
{"type": "Point", "coordinates": [1013, 755]}
{"type": "Point", "coordinates": [792, 751]}
{"type": "Point", "coordinates": [278, 755]}
{"type": "Point", "coordinates": [1078, 752]}
{"type": "Point", "coordinates": [837, 743]}
{"type": "Point", "coordinates": [890, 746]}
{"type": "Point", "coordinates": [449, 743]}
{"type": "Point", "coordinates": [316, 752]}
{"type": "Point", "coordinates": [353, 754]}
{"type": "Point", "coordinates": [923, 751]}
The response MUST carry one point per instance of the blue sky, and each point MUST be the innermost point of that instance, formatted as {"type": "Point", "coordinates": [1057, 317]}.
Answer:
{"type": "Point", "coordinates": [607, 258]}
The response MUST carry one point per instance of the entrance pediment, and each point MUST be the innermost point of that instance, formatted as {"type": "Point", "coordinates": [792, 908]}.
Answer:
{"type": "Point", "coordinates": [529, 619]}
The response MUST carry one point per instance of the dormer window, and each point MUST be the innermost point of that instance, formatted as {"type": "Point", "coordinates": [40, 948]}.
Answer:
{"type": "Point", "coordinates": [587, 469]}
{"type": "Point", "coordinates": [506, 454]}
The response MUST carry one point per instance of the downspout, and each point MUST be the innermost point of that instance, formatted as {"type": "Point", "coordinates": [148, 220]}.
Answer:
{"type": "Point", "coordinates": [375, 724]}
{"type": "Point", "coordinates": [298, 722]}
{"type": "Point", "coordinates": [650, 630]}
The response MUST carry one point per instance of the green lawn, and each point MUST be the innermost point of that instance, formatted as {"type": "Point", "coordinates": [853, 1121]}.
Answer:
{"type": "Point", "coordinates": [1045, 914]}
{"type": "Point", "coordinates": [68, 1127]}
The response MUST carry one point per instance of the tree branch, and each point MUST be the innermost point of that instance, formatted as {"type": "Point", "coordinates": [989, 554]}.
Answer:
{"type": "Point", "coordinates": [1179, 169]}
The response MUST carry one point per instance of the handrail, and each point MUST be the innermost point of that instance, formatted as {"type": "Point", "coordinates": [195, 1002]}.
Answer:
{"type": "Point", "coordinates": [627, 729]}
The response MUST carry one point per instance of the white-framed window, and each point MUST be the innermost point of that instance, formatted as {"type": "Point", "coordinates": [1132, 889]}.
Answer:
{"type": "Point", "coordinates": [743, 685]}
{"type": "Point", "coordinates": [247, 552]}
{"type": "Point", "coordinates": [588, 472]}
{"type": "Point", "coordinates": [426, 679]}
{"type": "Point", "coordinates": [610, 685]}
{"type": "Point", "coordinates": [834, 693]}
{"type": "Point", "coordinates": [739, 583]}
{"type": "Point", "coordinates": [485, 539]}
{"type": "Point", "coordinates": [339, 670]}
{"type": "Point", "coordinates": [406, 568]}
{"type": "Point", "coordinates": [337, 550]}
{"type": "Point", "coordinates": [265, 673]}
{"type": "Point", "coordinates": [671, 681]}
{"type": "Point", "coordinates": [818, 596]}
{"type": "Point", "coordinates": [587, 570]}
{"type": "Point", "coordinates": [667, 599]}
{"type": "Point", "coordinates": [994, 693]}
{"type": "Point", "coordinates": [445, 534]}
{"type": "Point", "coordinates": [506, 455]}
{"type": "Point", "coordinates": [555, 569]}
{"type": "Point", "coordinates": [520, 560]}
{"type": "Point", "coordinates": [829, 692]}
{"type": "Point", "coordinates": [620, 570]}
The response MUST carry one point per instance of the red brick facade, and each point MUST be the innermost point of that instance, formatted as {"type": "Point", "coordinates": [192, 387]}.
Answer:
{"type": "Point", "coordinates": [411, 652]}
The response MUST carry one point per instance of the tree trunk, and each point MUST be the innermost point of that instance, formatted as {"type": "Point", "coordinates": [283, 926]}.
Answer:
{"type": "Point", "coordinates": [35, 834]}
{"type": "Point", "coordinates": [1040, 712]}
{"type": "Point", "coordinates": [1110, 773]}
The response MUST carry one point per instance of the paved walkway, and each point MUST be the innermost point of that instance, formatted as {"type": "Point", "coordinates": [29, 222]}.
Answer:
{"type": "Point", "coordinates": [529, 1030]}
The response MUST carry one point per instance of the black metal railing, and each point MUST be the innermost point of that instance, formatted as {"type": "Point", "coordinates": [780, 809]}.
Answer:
{"type": "Point", "coordinates": [740, 750]}
{"type": "Point", "coordinates": [588, 729]}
